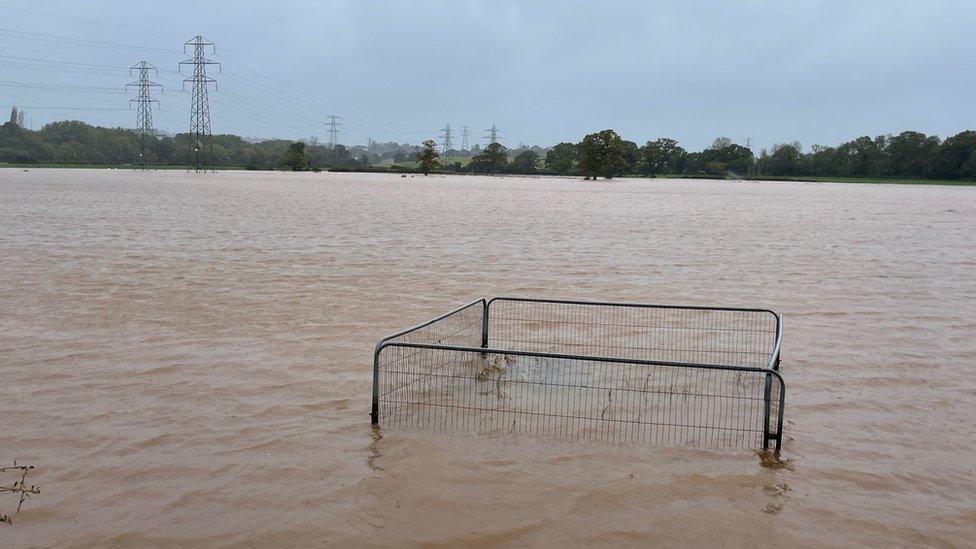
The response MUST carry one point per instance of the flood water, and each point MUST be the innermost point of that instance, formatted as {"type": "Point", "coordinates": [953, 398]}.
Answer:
{"type": "Point", "coordinates": [186, 359]}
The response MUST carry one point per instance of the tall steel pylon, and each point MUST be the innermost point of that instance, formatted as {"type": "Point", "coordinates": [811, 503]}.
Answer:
{"type": "Point", "coordinates": [334, 126]}
{"type": "Point", "coordinates": [199, 143]}
{"type": "Point", "coordinates": [492, 134]}
{"type": "Point", "coordinates": [144, 102]}
{"type": "Point", "coordinates": [464, 138]}
{"type": "Point", "coordinates": [446, 137]}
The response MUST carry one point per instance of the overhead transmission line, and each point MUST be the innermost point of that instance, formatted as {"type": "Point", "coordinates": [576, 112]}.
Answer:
{"type": "Point", "coordinates": [72, 88]}
{"type": "Point", "coordinates": [255, 112]}
{"type": "Point", "coordinates": [58, 39]}
{"type": "Point", "coordinates": [47, 86]}
{"type": "Point", "coordinates": [61, 62]}
{"type": "Point", "coordinates": [319, 100]}
{"type": "Point", "coordinates": [90, 21]}
{"type": "Point", "coordinates": [47, 107]}
{"type": "Point", "coordinates": [314, 101]}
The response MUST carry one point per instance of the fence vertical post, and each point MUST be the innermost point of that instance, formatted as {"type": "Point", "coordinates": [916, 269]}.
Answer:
{"type": "Point", "coordinates": [779, 337]}
{"type": "Point", "coordinates": [779, 416]}
{"type": "Point", "coordinates": [375, 411]}
{"type": "Point", "coordinates": [766, 405]}
{"type": "Point", "coordinates": [484, 326]}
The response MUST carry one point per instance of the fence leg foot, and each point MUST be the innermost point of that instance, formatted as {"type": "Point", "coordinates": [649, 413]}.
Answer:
{"type": "Point", "coordinates": [767, 390]}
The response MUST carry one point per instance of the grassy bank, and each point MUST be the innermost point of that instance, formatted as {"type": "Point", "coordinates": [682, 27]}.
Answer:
{"type": "Point", "coordinates": [821, 179]}
{"type": "Point", "coordinates": [881, 180]}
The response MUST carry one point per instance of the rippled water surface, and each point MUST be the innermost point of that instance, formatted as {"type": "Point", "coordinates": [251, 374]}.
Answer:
{"type": "Point", "coordinates": [186, 359]}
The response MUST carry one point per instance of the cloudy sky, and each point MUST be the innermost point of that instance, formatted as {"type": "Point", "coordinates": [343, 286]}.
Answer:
{"type": "Point", "coordinates": [542, 71]}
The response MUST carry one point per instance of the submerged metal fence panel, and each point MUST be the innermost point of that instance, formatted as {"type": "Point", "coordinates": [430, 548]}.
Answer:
{"type": "Point", "coordinates": [735, 337]}
{"type": "Point", "coordinates": [585, 371]}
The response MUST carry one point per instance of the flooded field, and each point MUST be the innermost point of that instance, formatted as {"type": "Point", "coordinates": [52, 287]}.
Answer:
{"type": "Point", "coordinates": [186, 359]}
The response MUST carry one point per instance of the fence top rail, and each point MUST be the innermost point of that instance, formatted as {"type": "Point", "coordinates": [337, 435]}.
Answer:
{"type": "Point", "coordinates": [631, 304]}
{"type": "Point", "coordinates": [559, 356]}
{"type": "Point", "coordinates": [482, 301]}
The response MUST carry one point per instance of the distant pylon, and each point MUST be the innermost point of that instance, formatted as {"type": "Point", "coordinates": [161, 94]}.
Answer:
{"type": "Point", "coordinates": [334, 126]}
{"type": "Point", "coordinates": [144, 102]}
{"type": "Point", "coordinates": [464, 138]}
{"type": "Point", "coordinates": [199, 143]}
{"type": "Point", "coordinates": [492, 134]}
{"type": "Point", "coordinates": [446, 137]}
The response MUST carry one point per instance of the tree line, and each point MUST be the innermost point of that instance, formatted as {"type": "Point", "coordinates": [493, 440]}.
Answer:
{"type": "Point", "coordinates": [73, 142]}
{"type": "Point", "coordinates": [909, 154]}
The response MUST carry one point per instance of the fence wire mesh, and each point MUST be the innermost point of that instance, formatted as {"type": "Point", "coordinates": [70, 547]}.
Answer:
{"type": "Point", "coordinates": [675, 334]}
{"type": "Point", "coordinates": [462, 327]}
{"type": "Point", "coordinates": [587, 372]}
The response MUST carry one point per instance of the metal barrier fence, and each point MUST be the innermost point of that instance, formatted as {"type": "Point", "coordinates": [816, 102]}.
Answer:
{"type": "Point", "coordinates": [619, 372]}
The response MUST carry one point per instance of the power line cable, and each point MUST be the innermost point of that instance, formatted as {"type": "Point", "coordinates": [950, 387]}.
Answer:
{"type": "Point", "coordinates": [90, 21]}
{"type": "Point", "coordinates": [51, 108]}
{"type": "Point", "coordinates": [58, 39]}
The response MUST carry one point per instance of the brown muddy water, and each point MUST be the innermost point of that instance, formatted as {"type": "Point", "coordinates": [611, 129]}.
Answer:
{"type": "Point", "coordinates": [186, 359]}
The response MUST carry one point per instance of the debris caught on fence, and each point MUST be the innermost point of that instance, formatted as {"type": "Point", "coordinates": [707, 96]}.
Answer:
{"type": "Point", "coordinates": [19, 488]}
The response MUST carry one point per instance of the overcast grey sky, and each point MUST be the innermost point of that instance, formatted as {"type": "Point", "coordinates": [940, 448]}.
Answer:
{"type": "Point", "coordinates": [543, 71]}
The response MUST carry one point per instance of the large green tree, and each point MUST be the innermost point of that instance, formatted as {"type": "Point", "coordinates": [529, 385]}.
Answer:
{"type": "Point", "coordinates": [956, 157]}
{"type": "Point", "coordinates": [602, 154]}
{"type": "Point", "coordinates": [427, 157]}
{"type": "Point", "coordinates": [632, 156]}
{"type": "Point", "coordinates": [662, 156]}
{"type": "Point", "coordinates": [562, 158]}
{"type": "Point", "coordinates": [861, 157]}
{"type": "Point", "coordinates": [294, 158]}
{"type": "Point", "coordinates": [721, 158]}
{"type": "Point", "coordinates": [339, 157]}
{"type": "Point", "coordinates": [494, 159]}
{"type": "Point", "coordinates": [911, 153]}
{"type": "Point", "coordinates": [526, 161]}
{"type": "Point", "coordinates": [785, 160]}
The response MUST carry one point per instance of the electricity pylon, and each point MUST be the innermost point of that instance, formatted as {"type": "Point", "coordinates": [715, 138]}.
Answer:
{"type": "Point", "coordinates": [446, 137]}
{"type": "Point", "coordinates": [144, 102]}
{"type": "Point", "coordinates": [492, 134]}
{"type": "Point", "coordinates": [464, 138]}
{"type": "Point", "coordinates": [199, 144]}
{"type": "Point", "coordinates": [334, 126]}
